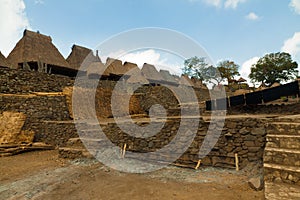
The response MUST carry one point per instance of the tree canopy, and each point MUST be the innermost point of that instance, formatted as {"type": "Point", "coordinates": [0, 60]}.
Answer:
{"type": "Point", "coordinates": [198, 68]}
{"type": "Point", "coordinates": [228, 69]}
{"type": "Point", "coordinates": [274, 67]}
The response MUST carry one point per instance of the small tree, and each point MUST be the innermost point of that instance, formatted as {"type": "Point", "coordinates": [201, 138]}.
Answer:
{"type": "Point", "coordinates": [228, 69]}
{"type": "Point", "coordinates": [198, 68]}
{"type": "Point", "coordinates": [274, 67]}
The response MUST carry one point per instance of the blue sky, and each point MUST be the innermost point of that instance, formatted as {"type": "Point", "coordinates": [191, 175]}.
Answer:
{"type": "Point", "coordinates": [240, 30]}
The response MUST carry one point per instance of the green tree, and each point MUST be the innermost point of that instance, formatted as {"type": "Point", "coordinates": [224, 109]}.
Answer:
{"type": "Point", "coordinates": [198, 68]}
{"type": "Point", "coordinates": [228, 69]}
{"type": "Point", "coordinates": [274, 67]}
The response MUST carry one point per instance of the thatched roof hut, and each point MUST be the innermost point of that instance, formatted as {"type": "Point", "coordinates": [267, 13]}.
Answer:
{"type": "Point", "coordinates": [114, 67]}
{"type": "Point", "coordinates": [151, 74]}
{"type": "Point", "coordinates": [35, 51]}
{"type": "Point", "coordinates": [82, 57]}
{"type": "Point", "coordinates": [241, 80]}
{"type": "Point", "coordinates": [168, 78]}
{"type": "Point", "coordinates": [3, 61]}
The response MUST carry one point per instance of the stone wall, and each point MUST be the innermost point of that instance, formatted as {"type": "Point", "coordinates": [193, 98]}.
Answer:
{"type": "Point", "coordinates": [43, 99]}
{"type": "Point", "coordinates": [243, 136]}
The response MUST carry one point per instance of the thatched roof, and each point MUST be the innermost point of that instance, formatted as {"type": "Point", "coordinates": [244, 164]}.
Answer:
{"type": "Point", "coordinates": [35, 47]}
{"type": "Point", "coordinates": [129, 66]}
{"type": "Point", "coordinates": [95, 70]}
{"type": "Point", "coordinates": [240, 92]}
{"type": "Point", "coordinates": [168, 78]}
{"type": "Point", "coordinates": [151, 74]}
{"type": "Point", "coordinates": [82, 56]}
{"type": "Point", "coordinates": [136, 76]}
{"type": "Point", "coordinates": [241, 80]}
{"type": "Point", "coordinates": [114, 67]}
{"type": "Point", "coordinates": [3, 61]}
{"type": "Point", "coordinates": [185, 80]}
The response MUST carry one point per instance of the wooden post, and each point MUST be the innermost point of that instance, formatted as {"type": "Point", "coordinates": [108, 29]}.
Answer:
{"type": "Point", "coordinates": [124, 150]}
{"type": "Point", "coordinates": [236, 162]}
{"type": "Point", "coordinates": [198, 164]}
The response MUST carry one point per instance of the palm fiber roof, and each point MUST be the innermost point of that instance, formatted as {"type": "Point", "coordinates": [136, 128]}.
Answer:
{"type": "Point", "coordinates": [3, 61]}
{"type": "Point", "coordinates": [35, 47]}
{"type": "Point", "coordinates": [81, 57]}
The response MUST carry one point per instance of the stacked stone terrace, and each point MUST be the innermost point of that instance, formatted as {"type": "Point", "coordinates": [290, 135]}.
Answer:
{"type": "Point", "coordinates": [282, 159]}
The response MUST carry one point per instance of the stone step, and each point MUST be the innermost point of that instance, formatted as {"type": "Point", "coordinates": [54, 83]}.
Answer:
{"type": "Point", "coordinates": [288, 118]}
{"type": "Point", "coordinates": [283, 128]}
{"type": "Point", "coordinates": [282, 173]}
{"type": "Point", "coordinates": [283, 141]}
{"type": "Point", "coordinates": [281, 191]}
{"type": "Point", "coordinates": [74, 153]}
{"type": "Point", "coordinates": [289, 157]}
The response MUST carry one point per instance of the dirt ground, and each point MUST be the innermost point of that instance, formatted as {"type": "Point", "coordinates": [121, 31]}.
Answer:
{"type": "Point", "coordinates": [42, 175]}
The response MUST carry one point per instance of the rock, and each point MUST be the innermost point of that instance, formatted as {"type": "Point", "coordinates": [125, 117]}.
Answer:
{"type": "Point", "coordinates": [244, 131]}
{"type": "Point", "coordinates": [259, 131]}
{"type": "Point", "coordinates": [256, 183]}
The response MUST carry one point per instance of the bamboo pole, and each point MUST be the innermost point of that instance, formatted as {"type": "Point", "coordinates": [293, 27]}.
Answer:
{"type": "Point", "coordinates": [236, 162]}
{"type": "Point", "coordinates": [198, 164]}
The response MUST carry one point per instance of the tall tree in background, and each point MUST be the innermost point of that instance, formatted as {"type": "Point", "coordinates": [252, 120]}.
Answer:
{"type": "Point", "coordinates": [228, 69]}
{"type": "Point", "coordinates": [195, 67]}
{"type": "Point", "coordinates": [198, 68]}
{"type": "Point", "coordinates": [274, 67]}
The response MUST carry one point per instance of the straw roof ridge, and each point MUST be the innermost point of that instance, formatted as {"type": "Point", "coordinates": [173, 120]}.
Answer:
{"type": "Point", "coordinates": [36, 47]}
{"type": "Point", "coordinates": [167, 76]}
{"type": "Point", "coordinates": [81, 57]}
{"type": "Point", "coordinates": [150, 73]}
{"type": "Point", "coordinates": [114, 67]}
{"type": "Point", "coordinates": [3, 61]}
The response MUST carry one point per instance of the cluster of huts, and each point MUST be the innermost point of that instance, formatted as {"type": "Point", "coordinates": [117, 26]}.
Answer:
{"type": "Point", "coordinates": [36, 52]}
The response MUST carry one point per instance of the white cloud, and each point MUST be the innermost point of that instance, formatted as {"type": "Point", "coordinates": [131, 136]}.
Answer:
{"type": "Point", "coordinates": [222, 3]}
{"type": "Point", "coordinates": [292, 46]}
{"type": "Point", "coordinates": [233, 3]}
{"type": "Point", "coordinates": [252, 16]}
{"type": "Point", "coordinates": [245, 70]}
{"type": "Point", "coordinates": [13, 21]}
{"type": "Point", "coordinates": [295, 4]}
{"type": "Point", "coordinates": [216, 3]}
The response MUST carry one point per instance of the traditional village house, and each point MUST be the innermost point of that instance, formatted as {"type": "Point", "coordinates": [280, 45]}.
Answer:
{"type": "Point", "coordinates": [35, 51]}
{"type": "Point", "coordinates": [81, 58]}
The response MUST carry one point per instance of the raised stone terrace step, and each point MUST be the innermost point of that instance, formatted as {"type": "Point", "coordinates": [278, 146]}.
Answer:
{"type": "Point", "coordinates": [289, 157]}
{"type": "Point", "coordinates": [289, 118]}
{"type": "Point", "coordinates": [282, 173]}
{"type": "Point", "coordinates": [281, 191]}
{"type": "Point", "coordinates": [73, 153]}
{"type": "Point", "coordinates": [283, 141]}
{"type": "Point", "coordinates": [284, 128]}
{"type": "Point", "coordinates": [282, 167]}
